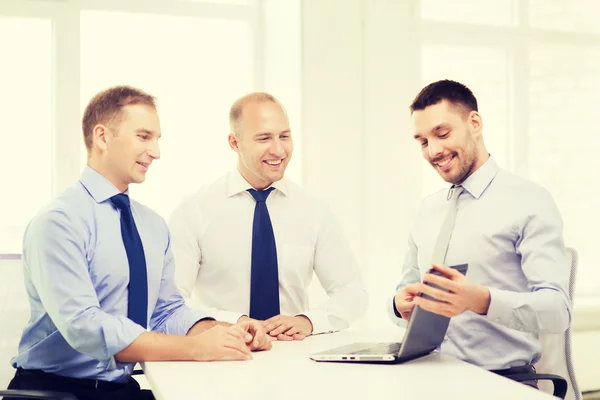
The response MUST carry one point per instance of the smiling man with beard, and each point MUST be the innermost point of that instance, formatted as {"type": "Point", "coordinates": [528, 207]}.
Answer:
{"type": "Point", "coordinates": [506, 228]}
{"type": "Point", "coordinates": [247, 245]}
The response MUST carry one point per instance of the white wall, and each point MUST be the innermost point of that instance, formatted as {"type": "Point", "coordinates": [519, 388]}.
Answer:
{"type": "Point", "coordinates": [358, 152]}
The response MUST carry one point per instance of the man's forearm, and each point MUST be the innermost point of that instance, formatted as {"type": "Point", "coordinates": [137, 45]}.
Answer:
{"type": "Point", "coordinates": [542, 311]}
{"type": "Point", "coordinates": [153, 346]}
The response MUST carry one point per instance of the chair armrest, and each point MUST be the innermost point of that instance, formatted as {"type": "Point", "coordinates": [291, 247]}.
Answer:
{"type": "Point", "coordinates": [36, 394]}
{"type": "Point", "coordinates": [560, 383]}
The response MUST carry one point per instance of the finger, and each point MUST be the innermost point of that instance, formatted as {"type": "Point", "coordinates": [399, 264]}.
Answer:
{"type": "Point", "coordinates": [284, 338]}
{"type": "Point", "coordinates": [434, 306]}
{"type": "Point", "coordinates": [281, 329]}
{"type": "Point", "coordinates": [299, 336]}
{"type": "Point", "coordinates": [271, 326]}
{"type": "Point", "coordinates": [447, 271]}
{"type": "Point", "coordinates": [443, 282]}
{"type": "Point", "coordinates": [292, 331]}
{"type": "Point", "coordinates": [237, 345]}
{"type": "Point", "coordinates": [437, 293]}
{"type": "Point", "coordinates": [411, 289]}
{"type": "Point", "coordinates": [266, 345]}
{"type": "Point", "coordinates": [239, 329]}
{"type": "Point", "coordinates": [239, 333]}
{"type": "Point", "coordinates": [260, 337]}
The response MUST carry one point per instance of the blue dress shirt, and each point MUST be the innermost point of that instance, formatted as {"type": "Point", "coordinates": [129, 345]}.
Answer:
{"type": "Point", "coordinates": [509, 231]}
{"type": "Point", "coordinates": [76, 276]}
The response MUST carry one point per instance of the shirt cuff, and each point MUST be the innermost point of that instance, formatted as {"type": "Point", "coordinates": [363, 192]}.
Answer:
{"type": "Point", "coordinates": [188, 319]}
{"type": "Point", "coordinates": [228, 316]}
{"type": "Point", "coordinates": [502, 305]}
{"type": "Point", "coordinates": [394, 314]}
{"type": "Point", "coordinates": [321, 322]}
{"type": "Point", "coordinates": [118, 339]}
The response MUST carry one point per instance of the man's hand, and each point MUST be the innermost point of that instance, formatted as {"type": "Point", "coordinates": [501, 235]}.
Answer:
{"type": "Point", "coordinates": [221, 343]}
{"type": "Point", "coordinates": [404, 300]}
{"type": "Point", "coordinates": [205, 325]}
{"type": "Point", "coordinates": [463, 294]}
{"type": "Point", "coordinates": [260, 340]}
{"type": "Point", "coordinates": [285, 327]}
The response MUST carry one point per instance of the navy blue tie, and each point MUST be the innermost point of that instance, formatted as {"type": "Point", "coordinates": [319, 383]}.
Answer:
{"type": "Point", "coordinates": [137, 301]}
{"type": "Point", "coordinates": [264, 280]}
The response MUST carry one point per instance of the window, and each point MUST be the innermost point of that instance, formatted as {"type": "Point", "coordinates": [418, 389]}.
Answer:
{"type": "Point", "coordinates": [499, 12]}
{"type": "Point", "coordinates": [563, 142]}
{"type": "Point", "coordinates": [561, 15]}
{"type": "Point", "coordinates": [535, 69]}
{"type": "Point", "coordinates": [195, 82]}
{"type": "Point", "coordinates": [26, 114]}
{"type": "Point", "coordinates": [195, 56]}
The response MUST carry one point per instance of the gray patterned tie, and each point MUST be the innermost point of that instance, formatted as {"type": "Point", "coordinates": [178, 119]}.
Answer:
{"type": "Point", "coordinates": [441, 246]}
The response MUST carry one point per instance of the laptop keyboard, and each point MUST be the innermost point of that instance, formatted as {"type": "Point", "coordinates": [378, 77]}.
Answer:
{"type": "Point", "coordinates": [381, 348]}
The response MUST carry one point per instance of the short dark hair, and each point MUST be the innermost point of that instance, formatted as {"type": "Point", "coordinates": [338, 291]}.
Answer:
{"type": "Point", "coordinates": [453, 92]}
{"type": "Point", "coordinates": [106, 108]}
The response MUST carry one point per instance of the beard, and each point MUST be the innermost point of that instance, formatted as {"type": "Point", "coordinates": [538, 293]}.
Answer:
{"type": "Point", "coordinates": [465, 165]}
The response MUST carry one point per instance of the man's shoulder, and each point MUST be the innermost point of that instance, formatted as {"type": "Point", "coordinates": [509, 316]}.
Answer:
{"type": "Point", "coordinates": [69, 208]}
{"type": "Point", "coordinates": [518, 187]}
{"type": "Point", "coordinates": [207, 196]}
{"type": "Point", "coordinates": [303, 196]}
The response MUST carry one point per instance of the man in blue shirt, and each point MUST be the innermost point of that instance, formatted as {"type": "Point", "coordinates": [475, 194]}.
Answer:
{"type": "Point", "coordinates": [506, 228]}
{"type": "Point", "coordinates": [99, 272]}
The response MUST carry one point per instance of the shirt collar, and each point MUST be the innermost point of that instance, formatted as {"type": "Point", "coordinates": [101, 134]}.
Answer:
{"type": "Point", "coordinates": [237, 184]}
{"type": "Point", "coordinates": [97, 185]}
{"type": "Point", "coordinates": [481, 179]}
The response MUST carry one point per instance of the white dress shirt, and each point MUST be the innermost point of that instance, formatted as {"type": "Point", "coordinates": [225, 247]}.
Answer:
{"type": "Point", "coordinates": [509, 231]}
{"type": "Point", "coordinates": [212, 244]}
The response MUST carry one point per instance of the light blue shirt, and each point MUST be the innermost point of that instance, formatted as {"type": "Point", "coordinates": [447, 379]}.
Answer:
{"type": "Point", "coordinates": [509, 231]}
{"type": "Point", "coordinates": [76, 276]}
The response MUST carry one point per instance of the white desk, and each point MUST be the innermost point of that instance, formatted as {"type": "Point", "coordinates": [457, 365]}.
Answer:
{"type": "Point", "coordinates": [286, 372]}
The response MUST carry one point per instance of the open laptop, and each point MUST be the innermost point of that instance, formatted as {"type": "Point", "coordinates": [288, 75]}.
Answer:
{"type": "Point", "coordinates": [424, 334]}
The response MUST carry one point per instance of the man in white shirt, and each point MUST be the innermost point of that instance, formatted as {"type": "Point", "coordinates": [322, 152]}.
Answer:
{"type": "Point", "coordinates": [248, 258]}
{"type": "Point", "coordinates": [506, 228]}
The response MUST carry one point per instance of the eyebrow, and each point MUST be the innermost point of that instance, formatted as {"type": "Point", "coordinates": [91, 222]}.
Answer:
{"type": "Point", "coordinates": [271, 134]}
{"type": "Point", "coordinates": [437, 128]}
{"type": "Point", "coordinates": [148, 132]}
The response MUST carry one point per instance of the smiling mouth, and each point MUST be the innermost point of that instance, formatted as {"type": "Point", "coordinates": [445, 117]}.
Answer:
{"type": "Point", "coordinates": [273, 163]}
{"type": "Point", "coordinates": [444, 162]}
{"type": "Point", "coordinates": [145, 165]}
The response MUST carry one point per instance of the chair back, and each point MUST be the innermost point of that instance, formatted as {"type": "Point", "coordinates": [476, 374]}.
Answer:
{"type": "Point", "coordinates": [556, 348]}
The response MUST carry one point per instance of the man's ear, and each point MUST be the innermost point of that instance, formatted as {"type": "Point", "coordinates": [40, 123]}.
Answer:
{"type": "Point", "coordinates": [234, 142]}
{"type": "Point", "coordinates": [476, 123]}
{"type": "Point", "coordinates": [100, 136]}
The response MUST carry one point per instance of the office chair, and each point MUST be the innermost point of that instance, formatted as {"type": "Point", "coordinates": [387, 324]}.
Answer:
{"type": "Point", "coordinates": [556, 364]}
